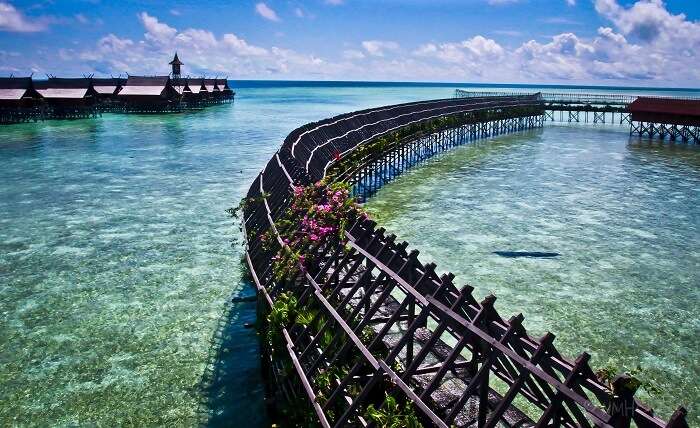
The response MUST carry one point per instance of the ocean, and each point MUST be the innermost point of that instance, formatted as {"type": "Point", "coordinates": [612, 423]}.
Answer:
{"type": "Point", "coordinates": [118, 262]}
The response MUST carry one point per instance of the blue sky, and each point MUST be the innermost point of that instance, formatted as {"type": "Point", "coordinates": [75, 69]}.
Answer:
{"type": "Point", "coordinates": [640, 43]}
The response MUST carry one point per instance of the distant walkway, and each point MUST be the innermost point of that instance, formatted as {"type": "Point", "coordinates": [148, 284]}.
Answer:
{"type": "Point", "coordinates": [663, 117]}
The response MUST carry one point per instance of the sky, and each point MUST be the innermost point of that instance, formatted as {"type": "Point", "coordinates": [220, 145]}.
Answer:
{"type": "Point", "coordinates": [603, 42]}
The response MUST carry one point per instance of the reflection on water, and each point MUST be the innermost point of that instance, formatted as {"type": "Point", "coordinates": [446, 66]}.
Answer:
{"type": "Point", "coordinates": [620, 219]}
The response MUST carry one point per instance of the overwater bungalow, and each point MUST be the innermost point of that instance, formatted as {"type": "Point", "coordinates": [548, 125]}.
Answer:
{"type": "Point", "coordinates": [226, 91]}
{"type": "Point", "coordinates": [17, 92]}
{"type": "Point", "coordinates": [149, 94]}
{"type": "Point", "coordinates": [19, 101]}
{"type": "Point", "coordinates": [211, 86]}
{"type": "Point", "coordinates": [68, 98]}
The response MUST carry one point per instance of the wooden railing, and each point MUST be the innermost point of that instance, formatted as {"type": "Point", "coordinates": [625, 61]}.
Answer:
{"type": "Point", "coordinates": [385, 324]}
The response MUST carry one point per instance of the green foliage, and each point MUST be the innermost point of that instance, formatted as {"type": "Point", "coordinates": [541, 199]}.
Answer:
{"type": "Point", "coordinates": [326, 379]}
{"type": "Point", "coordinates": [245, 203]}
{"type": "Point", "coordinates": [391, 415]}
{"type": "Point", "coordinates": [282, 315]}
{"type": "Point", "coordinates": [367, 335]}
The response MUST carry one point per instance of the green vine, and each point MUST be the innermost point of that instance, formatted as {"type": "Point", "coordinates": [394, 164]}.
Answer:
{"type": "Point", "coordinates": [392, 415]}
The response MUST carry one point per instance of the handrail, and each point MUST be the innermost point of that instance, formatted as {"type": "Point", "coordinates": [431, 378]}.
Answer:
{"type": "Point", "coordinates": [373, 267]}
{"type": "Point", "coordinates": [570, 97]}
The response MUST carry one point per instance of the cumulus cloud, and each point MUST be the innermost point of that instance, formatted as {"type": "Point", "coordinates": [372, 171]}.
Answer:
{"type": "Point", "coordinates": [642, 43]}
{"type": "Point", "coordinates": [379, 47]}
{"type": "Point", "coordinates": [202, 51]}
{"type": "Point", "coordinates": [266, 12]}
{"type": "Point", "coordinates": [473, 55]}
{"type": "Point", "coordinates": [156, 31]}
{"type": "Point", "coordinates": [13, 20]}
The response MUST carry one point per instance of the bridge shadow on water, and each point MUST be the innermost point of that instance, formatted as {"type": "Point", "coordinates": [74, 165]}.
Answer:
{"type": "Point", "coordinates": [529, 254]}
{"type": "Point", "coordinates": [231, 389]}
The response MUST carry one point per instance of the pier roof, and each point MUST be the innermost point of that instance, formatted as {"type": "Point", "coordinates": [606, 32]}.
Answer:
{"type": "Point", "coordinates": [222, 84]}
{"type": "Point", "coordinates": [145, 85]}
{"type": "Point", "coordinates": [107, 86]}
{"type": "Point", "coordinates": [666, 110]}
{"type": "Point", "coordinates": [210, 84]}
{"type": "Point", "coordinates": [195, 85]}
{"type": "Point", "coordinates": [14, 88]}
{"type": "Point", "coordinates": [58, 87]}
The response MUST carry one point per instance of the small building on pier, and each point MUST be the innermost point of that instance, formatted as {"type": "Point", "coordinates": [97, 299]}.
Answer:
{"type": "Point", "coordinates": [68, 98]}
{"type": "Point", "coordinates": [666, 117]}
{"type": "Point", "coordinates": [149, 94]}
{"type": "Point", "coordinates": [210, 85]}
{"type": "Point", "coordinates": [59, 91]}
{"type": "Point", "coordinates": [226, 91]}
{"type": "Point", "coordinates": [18, 92]}
{"type": "Point", "coordinates": [19, 101]}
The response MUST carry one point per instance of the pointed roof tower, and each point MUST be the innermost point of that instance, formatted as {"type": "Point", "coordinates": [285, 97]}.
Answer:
{"type": "Point", "coordinates": [176, 63]}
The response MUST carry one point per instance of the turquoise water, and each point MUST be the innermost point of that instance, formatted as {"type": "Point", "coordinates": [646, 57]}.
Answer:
{"type": "Point", "coordinates": [621, 214]}
{"type": "Point", "coordinates": [117, 265]}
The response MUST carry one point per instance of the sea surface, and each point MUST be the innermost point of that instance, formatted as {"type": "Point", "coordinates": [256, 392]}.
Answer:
{"type": "Point", "coordinates": [118, 263]}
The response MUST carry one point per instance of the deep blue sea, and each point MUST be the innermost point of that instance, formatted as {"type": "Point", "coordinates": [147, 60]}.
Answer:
{"type": "Point", "coordinates": [118, 262]}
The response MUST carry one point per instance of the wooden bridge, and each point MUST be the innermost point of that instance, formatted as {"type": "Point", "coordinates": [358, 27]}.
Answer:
{"type": "Point", "coordinates": [576, 107]}
{"type": "Point", "coordinates": [383, 330]}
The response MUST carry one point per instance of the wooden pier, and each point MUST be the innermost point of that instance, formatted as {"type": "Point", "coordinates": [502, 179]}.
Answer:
{"type": "Point", "coordinates": [672, 118]}
{"type": "Point", "coordinates": [23, 99]}
{"type": "Point", "coordinates": [369, 331]}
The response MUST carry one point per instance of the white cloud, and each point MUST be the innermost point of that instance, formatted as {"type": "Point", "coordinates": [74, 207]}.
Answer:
{"type": "Point", "coordinates": [335, 2]}
{"type": "Point", "coordinates": [156, 31]}
{"type": "Point", "coordinates": [478, 49]}
{"type": "Point", "coordinates": [641, 44]}
{"type": "Point", "coordinates": [13, 20]}
{"type": "Point", "coordinates": [298, 12]}
{"type": "Point", "coordinates": [353, 54]}
{"type": "Point", "coordinates": [266, 12]}
{"type": "Point", "coordinates": [571, 2]}
{"type": "Point", "coordinates": [379, 47]}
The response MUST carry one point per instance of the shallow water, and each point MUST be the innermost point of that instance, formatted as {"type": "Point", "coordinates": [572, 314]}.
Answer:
{"type": "Point", "coordinates": [116, 263]}
{"type": "Point", "coordinates": [117, 266]}
{"type": "Point", "coordinates": [617, 226]}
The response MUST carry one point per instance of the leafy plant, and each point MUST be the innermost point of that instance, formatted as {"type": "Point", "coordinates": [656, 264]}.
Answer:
{"type": "Point", "coordinates": [282, 315]}
{"type": "Point", "coordinates": [391, 415]}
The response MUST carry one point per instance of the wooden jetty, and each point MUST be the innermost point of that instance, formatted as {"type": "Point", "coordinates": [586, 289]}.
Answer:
{"type": "Point", "coordinates": [672, 118]}
{"type": "Point", "coordinates": [371, 332]}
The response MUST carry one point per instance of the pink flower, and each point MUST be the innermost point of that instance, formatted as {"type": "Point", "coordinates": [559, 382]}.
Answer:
{"type": "Point", "coordinates": [313, 237]}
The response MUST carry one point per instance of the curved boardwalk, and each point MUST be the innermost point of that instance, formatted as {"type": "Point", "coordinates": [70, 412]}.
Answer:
{"type": "Point", "coordinates": [386, 323]}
